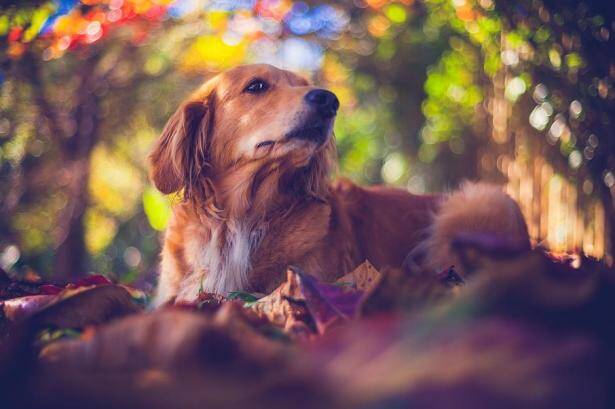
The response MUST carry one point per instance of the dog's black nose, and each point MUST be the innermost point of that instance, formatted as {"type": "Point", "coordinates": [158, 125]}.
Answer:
{"type": "Point", "coordinates": [325, 102]}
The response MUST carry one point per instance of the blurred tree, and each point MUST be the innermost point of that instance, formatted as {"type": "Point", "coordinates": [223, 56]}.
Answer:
{"type": "Point", "coordinates": [59, 112]}
{"type": "Point", "coordinates": [572, 106]}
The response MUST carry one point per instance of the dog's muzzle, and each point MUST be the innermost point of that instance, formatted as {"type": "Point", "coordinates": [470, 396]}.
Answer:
{"type": "Point", "coordinates": [317, 125]}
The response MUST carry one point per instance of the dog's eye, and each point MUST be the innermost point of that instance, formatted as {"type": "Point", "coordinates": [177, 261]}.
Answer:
{"type": "Point", "coordinates": [256, 86]}
{"type": "Point", "coordinates": [264, 144]}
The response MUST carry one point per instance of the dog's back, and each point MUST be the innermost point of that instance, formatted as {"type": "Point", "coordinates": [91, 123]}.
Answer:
{"type": "Point", "coordinates": [388, 224]}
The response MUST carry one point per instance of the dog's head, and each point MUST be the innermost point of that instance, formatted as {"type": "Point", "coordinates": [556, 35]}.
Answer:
{"type": "Point", "coordinates": [250, 128]}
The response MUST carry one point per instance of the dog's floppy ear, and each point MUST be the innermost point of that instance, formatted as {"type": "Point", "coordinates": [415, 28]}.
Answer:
{"type": "Point", "coordinates": [180, 157]}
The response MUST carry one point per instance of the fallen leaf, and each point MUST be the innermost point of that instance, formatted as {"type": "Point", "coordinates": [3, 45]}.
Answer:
{"type": "Point", "coordinates": [72, 308]}
{"type": "Point", "coordinates": [11, 288]}
{"type": "Point", "coordinates": [77, 308]}
{"type": "Point", "coordinates": [304, 302]}
{"type": "Point", "coordinates": [24, 298]}
{"type": "Point", "coordinates": [247, 298]}
{"type": "Point", "coordinates": [281, 309]}
{"type": "Point", "coordinates": [362, 278]}
{"type": "Point", "coordinates": [96, 279]}
{"type": "Point", "coordinates": [50, 289]}
{"type": "Point", "coordinates": [22, 307]}
{"type": "Point", "coordinates": [327, 303]}
{"type": "Point", "coordinates": [170, 338]}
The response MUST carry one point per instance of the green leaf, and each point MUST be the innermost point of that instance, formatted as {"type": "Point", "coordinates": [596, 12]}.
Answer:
{"type": "Point", "coordinates": [157, 208]}
{"type": "Point", "coordinates": [243, 296]}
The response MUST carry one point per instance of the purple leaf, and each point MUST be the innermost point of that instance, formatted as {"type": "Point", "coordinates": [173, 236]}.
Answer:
{"type": "Point", "coordinates": [328, 304]}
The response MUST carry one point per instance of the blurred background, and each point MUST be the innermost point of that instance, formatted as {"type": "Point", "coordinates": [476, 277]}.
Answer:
{"type": "Point", "coordinates": [433, 92]}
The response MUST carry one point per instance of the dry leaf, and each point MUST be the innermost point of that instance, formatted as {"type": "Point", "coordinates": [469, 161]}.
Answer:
{"type": "Point", "coordinates": [285, 311]}
{"type": "Point", "coordinates": [84, 306]}
{"type": "Point", "coordinates": [169, 338]}
{"type": "Point", "coordinates": [57, 303]}
{"type": "Point", "coordinates": [22, 307]}
{"type": "Point", "coordinates": [362, 278]}
{"type": "Point", "coordinates": [302, 302]}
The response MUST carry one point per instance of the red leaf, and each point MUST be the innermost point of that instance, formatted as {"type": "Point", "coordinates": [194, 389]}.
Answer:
{"type": "Point", "coordinates": [50, 289]}
{"type": "Point", "coordinates": [91, 280]}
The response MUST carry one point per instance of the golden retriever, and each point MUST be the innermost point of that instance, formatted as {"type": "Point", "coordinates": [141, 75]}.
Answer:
{"type": "Point", "coordinates": [252, 152]}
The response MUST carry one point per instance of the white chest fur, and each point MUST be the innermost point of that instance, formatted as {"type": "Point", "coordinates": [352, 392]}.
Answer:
{"type": "Point", "coordinates": [223, 263]}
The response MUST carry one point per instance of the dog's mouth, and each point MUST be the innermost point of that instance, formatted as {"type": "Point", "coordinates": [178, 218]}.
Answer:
{"type": "Point", "coordinates": [313, 131]}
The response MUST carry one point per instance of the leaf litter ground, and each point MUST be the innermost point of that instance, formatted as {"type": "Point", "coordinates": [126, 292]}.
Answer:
{"type": "Point", "coordinates": [522, 328]}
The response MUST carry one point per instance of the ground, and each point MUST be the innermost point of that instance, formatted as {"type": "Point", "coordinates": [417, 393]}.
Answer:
{"type": "Point", "coordinates": [523, 328]}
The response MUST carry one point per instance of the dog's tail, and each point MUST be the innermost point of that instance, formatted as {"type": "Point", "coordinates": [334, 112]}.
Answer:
{"type": "Point", "coordinates": [474, 210]}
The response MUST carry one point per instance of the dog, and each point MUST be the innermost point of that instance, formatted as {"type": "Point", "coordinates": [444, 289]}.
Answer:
{"type": "Point", "coordinates": [251, 154]}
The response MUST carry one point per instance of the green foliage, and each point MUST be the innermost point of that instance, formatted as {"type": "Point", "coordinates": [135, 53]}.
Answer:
{"type": "Point", "coordinates": [453, 92]}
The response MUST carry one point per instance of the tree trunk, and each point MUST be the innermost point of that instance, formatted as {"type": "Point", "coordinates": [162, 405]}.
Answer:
{"type": "Point", "coordinates": [71, 254]}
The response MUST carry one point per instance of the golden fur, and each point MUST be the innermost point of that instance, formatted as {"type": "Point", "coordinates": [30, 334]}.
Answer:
{"type": "Point", "coordinates": [256, 200]}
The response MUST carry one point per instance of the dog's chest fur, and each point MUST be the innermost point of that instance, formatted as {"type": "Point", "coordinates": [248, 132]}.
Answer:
{"type": "Point", "coordinates": [249, 256]}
